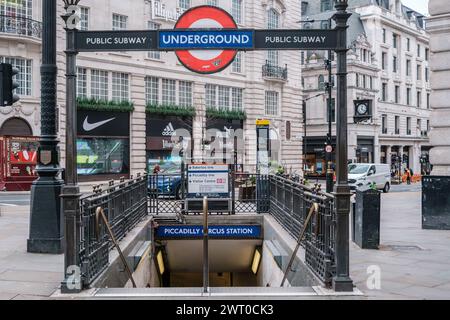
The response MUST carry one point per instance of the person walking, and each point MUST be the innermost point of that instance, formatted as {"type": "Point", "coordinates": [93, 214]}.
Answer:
{"type": "Point", "coordinates": [408, 175]}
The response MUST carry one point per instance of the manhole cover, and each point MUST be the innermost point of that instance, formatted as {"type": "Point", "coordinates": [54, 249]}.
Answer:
{"type": "Point", "coordinates": [401, 248]}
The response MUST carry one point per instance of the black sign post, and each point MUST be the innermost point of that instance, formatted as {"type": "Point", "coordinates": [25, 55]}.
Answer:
{"type": "Point", "coordinates": [222, 39]}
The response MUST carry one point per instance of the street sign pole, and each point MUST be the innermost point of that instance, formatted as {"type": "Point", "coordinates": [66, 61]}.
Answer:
{"type": "Point", "coordinates": [342, 281]}
{"type": "Point", "coordinates": [71, 190]}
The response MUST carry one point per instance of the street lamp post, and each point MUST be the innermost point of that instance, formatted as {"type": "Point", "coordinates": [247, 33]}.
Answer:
{"type": "Point", "coordinates": [71, 190]}
{"type": "Point", "coordinates": [342, 281]}
{"type": "Point", "coordinates": [46, 227]}
{"type": "Point", "coordinates": [329, 150]}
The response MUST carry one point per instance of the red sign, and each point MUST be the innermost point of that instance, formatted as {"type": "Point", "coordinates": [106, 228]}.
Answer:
{"type": "Point", "coordinates": [206, 61]}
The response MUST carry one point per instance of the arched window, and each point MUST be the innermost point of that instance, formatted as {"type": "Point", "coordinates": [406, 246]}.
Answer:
{"type": "Point", "coordinates": [16, 127]}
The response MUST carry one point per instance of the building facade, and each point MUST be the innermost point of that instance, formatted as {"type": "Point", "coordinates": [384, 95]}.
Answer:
{"type": "Point", "coordinates": [130, 104]}
{"type": "Point", "coordinates": [388, 73]}
{"type": "Point", "coordinates": [439, 28]}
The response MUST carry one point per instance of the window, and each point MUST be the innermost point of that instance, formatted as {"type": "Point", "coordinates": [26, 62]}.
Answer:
{"type": "Point", "coordinates": [185, 93]}
{"type": "Point", "coordinates": [211, 96]}
{"type": "Point", "coordinates": [408, 96]}
{"type": "Point", "coordinates": [427, 74]}
{"type": "Point", "coordinates": [428, 101]}
{"type": "Point", "coordinates": [236, 10]}
{"type": "Point", "coordinates": [321, 83]}
{"type": "Point", "coordinates": [428, 125]}
{"type": "Point", "coordinates": [357, 81]}
{"type": "Point", "coordinates": [384, 124]}
{"type": "Point", "coordinates": [184, 4]}
{"type": "Point", "coordinates": [102, 156]}
{"type": "Point", "coordinates": [408, 126]}
{"type": "Point", "coordinates": [271, 103]}
{"type": "Point", "coordinates": [221, 96]}
{"type": "Point", "coordinates": [237, 63]}
{"type": "Point", "coordinates": [427, 54]}
{"type": "Point", "coordinates": [211, 3]}
{"type": "Point", "coordinates": [224, 97]}
{"type": "Point", "coordinates": [120, 86]}
{"type": "Point", "coordinates": [394, 40]}
{"type": "Point", "coordinates": [419, 50]}
{"type": "Point", "coordinates": [371, 82]}
{"type": "Point", "coordinates": [394, 65]}
{"type": "Point", "coordinates": [273, 22]}
{"type": "Point", "coordinates": [384, 35]}
{"type": "Point", "coordinates": [408, 67]}
{"type": "Point", "coordinates": [99, 84]}
{"type": "Point", "coordinates": [154, 54]}
{"type": "Point", "coordinates": [82, 83]}
{"type": "Point", "coordinates": [384, 92]}
{"type": "Point", "coordinates": [333, 110]}
{"type": "Point", "coordinates": [397, 94]}
{"type": "Point", "coordinates": [364, 81]}
{"type": "Point", "coordinates": [84, 18]}
{"type": "Point", "coordinates": [326, 5]}
{"type": "Point", "coordinates": [419, 125]}
{"type": "Point", "coordinates": [152, 90]}
{"type": "Point", "coordinates": [168, 92]}
{"type": "Point", "coordinates": [24, 77]}
{"type": "Point", "coordinates": [119, 22]}
{"type": "Point", "coordinates": [237, 99]}
{"type": "Point", "coordinates": [408, 44]}
{"type": "Point", "coordinates": [419, 99]}
{"type": "Point", "coordinates": [17, 8]}
{"type": "Point", "coordinates": [419, 72]}
{"type": "Point", "coordinates": [384, 60]}
{"type": "Point", "coordinates": [397, 125]}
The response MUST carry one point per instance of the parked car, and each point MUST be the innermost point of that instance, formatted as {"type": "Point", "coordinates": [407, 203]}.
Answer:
{"type": "Point", "coordinates": [168, 181]}
{"type": "Point", "coordinates": [362, 175]}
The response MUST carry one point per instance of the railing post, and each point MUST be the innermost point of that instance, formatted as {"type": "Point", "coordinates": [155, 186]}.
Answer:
{"type": "Point", "coordinates": [205, 246]}
{"type": "Point", "coordinates": [342, 281]}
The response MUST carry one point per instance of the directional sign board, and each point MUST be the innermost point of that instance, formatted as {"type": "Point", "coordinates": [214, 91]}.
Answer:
{"type": "Point", "coordinates": [208, 180]}
{"type": "Point", "coordinates": [206, 39]}
{"type": "Point", "coordinates": [214, 231]}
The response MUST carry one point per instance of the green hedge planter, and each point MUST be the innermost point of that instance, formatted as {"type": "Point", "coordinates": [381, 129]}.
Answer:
{"type": "Point", "coordinates": [226, 114]}
{"type": "Point", "coordinates": [170, 110]}
{"type": "Point", "coordinates": [91, 104]}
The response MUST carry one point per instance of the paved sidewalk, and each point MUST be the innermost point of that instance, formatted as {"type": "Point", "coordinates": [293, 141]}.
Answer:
{"type": "Point", "coordinates": [414, 263]}
{"type": "Point", "coordinates": [24, 275]}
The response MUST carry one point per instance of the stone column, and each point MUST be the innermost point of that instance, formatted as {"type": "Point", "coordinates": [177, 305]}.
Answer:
{"type": "Point", "coordinates": [438, 26]}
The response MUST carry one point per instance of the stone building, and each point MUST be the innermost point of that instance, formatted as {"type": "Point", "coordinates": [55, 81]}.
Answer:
{"type": "Point", "coordinates": [147, 96]}
{"type": "Point", "coordinates": [388, 72]}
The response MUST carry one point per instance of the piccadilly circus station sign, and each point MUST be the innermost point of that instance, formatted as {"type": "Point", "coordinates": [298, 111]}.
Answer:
{"type": "Point", "coordinates": [206, 39]}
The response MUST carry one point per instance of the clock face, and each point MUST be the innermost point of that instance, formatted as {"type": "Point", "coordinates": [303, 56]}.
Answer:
{"type": "Point", "coordinates": [362, 109]}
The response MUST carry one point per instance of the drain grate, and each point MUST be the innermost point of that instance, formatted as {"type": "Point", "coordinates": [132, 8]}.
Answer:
{"type": "Point", "coordinates": [400, 247]}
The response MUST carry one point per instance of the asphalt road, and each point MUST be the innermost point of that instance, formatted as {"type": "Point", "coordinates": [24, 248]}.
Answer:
{"type": "Point", "coordinates": [14, 199]}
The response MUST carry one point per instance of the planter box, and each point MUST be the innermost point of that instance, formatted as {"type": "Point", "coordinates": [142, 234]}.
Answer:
{"type": "Point", "coordinates": [436, 202]}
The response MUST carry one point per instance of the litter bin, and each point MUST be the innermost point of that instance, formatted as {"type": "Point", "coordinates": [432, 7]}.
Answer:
{"type": "Point", "coordinates": [366, 222]}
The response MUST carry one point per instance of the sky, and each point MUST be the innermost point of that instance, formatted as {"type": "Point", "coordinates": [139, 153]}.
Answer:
{"type": "Point", "coordinates": [417, 5]}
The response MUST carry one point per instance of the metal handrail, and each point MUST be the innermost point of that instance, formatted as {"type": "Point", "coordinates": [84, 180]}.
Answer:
{"type": "Point", "coordinates": [20, 26]}
{"type": "Point", "coordinates": [272, 71]}
{"type": "Point", "coordinates": [100, 217]}
{"type": "Point", "coordinates": [313, 210]}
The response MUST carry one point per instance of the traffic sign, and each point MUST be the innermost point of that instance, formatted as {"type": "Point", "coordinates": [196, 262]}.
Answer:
{"type": "Point", "coordinates": [207, 61]}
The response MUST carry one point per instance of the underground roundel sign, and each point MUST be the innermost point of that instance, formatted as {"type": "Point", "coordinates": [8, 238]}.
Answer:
{"type": "Point", "coordinates": [206, 61]}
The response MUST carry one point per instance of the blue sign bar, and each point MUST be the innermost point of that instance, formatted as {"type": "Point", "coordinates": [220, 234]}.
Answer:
{"type": "Point", "coordinates": [205, 39]}
{"type": "Point", "coordinates": [231, 232]}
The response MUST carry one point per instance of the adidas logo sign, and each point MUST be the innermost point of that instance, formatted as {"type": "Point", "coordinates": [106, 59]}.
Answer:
{"type": "Point", "coordinates": [168, 130]}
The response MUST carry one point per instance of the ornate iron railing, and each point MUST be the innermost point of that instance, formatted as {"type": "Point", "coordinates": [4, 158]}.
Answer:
{"type": "Point", "coordinates": [20, 26]}
{"type": "Point", "coordinates": [290, 203]}
{"type": "Point", "coordinates": [274, 72]}
{"type": "Point", "coordinates": [125, 205]}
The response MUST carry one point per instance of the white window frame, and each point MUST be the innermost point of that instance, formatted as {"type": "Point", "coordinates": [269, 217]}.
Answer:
{"type": "Point", "coordinates": [120, 86]}
{"type": "Point", "coordinates": [84, 18]}
{"type": "Point", "coordinates": [152, 90]}
{"type": "Point", "coordinates": [25, 76]}
{"type": "Point", "coordinates": [82, 82]}
{"type": "Point", "coordinates": [272, 103]}
{"type": "Point", "coordinates": [119, 22]}
{"type": "Point", "coordinates": [155, 55]}
{"type": "Point", "coordinates": [99, 86]}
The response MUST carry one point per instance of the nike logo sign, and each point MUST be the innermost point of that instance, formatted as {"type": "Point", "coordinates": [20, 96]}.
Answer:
{"type": "Point", "coordinates": [92, 126]}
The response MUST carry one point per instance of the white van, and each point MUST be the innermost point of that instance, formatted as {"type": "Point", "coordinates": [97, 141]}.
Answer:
{"type": "Point", "coordinates": [361, 175]}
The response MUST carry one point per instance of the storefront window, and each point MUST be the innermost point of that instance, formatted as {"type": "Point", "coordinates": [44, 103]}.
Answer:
{"type": "Point", "coordinates": [97, 156]}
